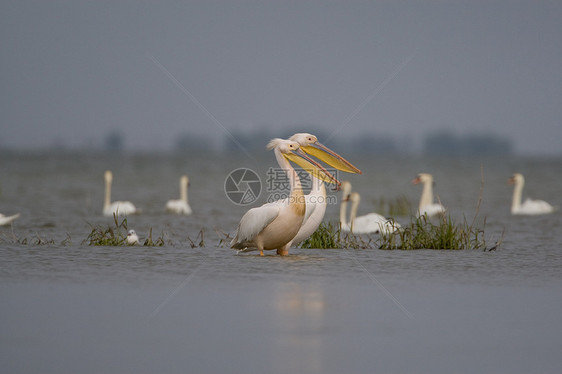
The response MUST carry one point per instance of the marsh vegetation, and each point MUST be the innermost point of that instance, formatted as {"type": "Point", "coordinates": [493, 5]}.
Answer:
{"type": "Point", "coordinates": [420, 233]}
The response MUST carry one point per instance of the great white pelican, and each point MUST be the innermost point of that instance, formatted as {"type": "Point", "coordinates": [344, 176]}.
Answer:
{"type": "Point", "coordinates": [316, 199]}
{"type": "Point", "coordinates": [274, 225]}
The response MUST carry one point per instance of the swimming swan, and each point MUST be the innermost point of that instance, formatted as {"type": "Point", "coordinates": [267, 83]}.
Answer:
{"type": "Point", "coordinates": [180, 206]}
{"type": "Point", "coordinates": [529, 207]}
{"type": "Point", "coordinates": [121, 208]}
{"type": "Point", "coordinates": [427, 206]}
{"type": "Point", "coordinates": [367, 224]}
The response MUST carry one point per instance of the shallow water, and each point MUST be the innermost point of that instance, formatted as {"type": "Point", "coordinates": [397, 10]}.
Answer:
{"type": "Point", "coordinates": [70, 307]}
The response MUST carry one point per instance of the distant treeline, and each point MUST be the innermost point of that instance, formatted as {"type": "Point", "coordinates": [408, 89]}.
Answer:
{"type": "Point", "coordinates": [436, 143]}
{"type": "Point", "coordinates": [449, 144]}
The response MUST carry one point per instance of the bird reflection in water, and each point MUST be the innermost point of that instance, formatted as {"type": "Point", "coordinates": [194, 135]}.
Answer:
{"type": "Point", "coordinates": [299, 321]}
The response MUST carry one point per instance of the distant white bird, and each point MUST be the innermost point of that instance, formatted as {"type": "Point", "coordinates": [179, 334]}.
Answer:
{"type": "Point", "coordinates": [370, 223]}
{"type": "Point", "coordinates": [121, 208]}
{"type": "Point", "coordinates": [180, 206]}
{"type": "Point", "coordinates": [529, 207]}
{"type": "Point", "coordinates": [6, 220]}
{"type": "Point", "coordinates": [367, 224]}
{"type": "Point", "coordinates": [427, 206]}
{"type": "Point", "coordinates": [132, 238]}
{"type": "Point", "coordinates": [346, 193]}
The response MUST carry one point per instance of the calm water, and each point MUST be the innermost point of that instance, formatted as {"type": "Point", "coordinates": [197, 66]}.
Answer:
{"type": "Point", "coordinates": [69, 307]}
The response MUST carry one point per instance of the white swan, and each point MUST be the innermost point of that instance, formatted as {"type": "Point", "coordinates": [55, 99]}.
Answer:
{"type": "Point", "coordinates": [6, 220]}
{"type": "Point", "coordinates": [427, 206]}
{"type": "Point", "coordinates": [367, 224]}
{"type": "Point", "coordinates": [132, 238]}
{"type": "Point", "coordinates": [528, 207]}
{"type": "Point", "coordinates": [121, 208]}
{"type": "Point", "coordinates": [345, 192]}
{"type": "Point", "coordinates": [180, 206]}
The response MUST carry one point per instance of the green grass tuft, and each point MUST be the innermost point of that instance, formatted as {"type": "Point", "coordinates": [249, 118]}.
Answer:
{"type": "Point", "coordinates": [329, 236]}
{"type": "Point", "coordinates": [117, 235]}
{"type": "Point", "coordinates": [109, 236]}
{"type": "Point", "coordinates": [422, 233]}
{"type": "Point", "coordinates": [150, 243]}
{"type": "Point", "coordinates": [201, 242]}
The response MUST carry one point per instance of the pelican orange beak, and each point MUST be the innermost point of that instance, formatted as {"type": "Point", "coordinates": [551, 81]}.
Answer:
{"type": "Point", "coordinates": [321, 152]}
{"type": "Point", "coordinates": [315, 169]}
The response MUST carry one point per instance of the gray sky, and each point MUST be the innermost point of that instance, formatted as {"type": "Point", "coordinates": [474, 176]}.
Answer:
{"type": "Point", "coordinates": [72, 71]}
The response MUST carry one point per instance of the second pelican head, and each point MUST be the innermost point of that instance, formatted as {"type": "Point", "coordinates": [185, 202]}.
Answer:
{"type": "Point", "coordinates": [292, 151]}
{"type": "Point", "coordinates": [310, 144]}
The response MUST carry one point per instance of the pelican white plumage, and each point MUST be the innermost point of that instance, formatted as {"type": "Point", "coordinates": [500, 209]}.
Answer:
{"type": "Point", "coordinates": [529, 206]}
{"type": "Point", "coordinates": [6, 220]}
{"type": "Point", "coordinates": [316, 199]}
{"type": "Point", "coordinates": [132, 237]}
{"type": "Point", "coordinates": [427, 206]}
{"type": "Point", "coordinates": [274, 225]}
{"type": "Point", "coordinates": [367, 224]}
{"type": "Point", "coordinates": [121, 208]}
{"type": "Point", "coordinates": [180, 206]}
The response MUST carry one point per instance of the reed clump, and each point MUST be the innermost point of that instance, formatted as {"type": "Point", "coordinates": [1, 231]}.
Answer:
{"type": "Point", "coordinates": [150, 243]}
{"type": "Point", "coordinates": [117, 235]}
{"type": "Point", "coordinates": [201, 242]}
{"type": "Point", "coordinates": [330, 236]}
{"type": "Point", "coordinates": [109, 236]}
{"type": "Point", "coordinates": [422, 233]}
